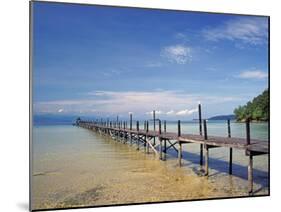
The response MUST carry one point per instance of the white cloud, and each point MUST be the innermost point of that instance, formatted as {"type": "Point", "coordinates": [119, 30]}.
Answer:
{"type": "Point", "coordinates": [253, 74]}
{"type": "Point", "coordinates": [186, 112]}
{"type": "Point", "coordinates": [171, 112]}
{"type": "Point", "coordinates": [179, 54]}
{"type": "Point", "coordinates": [60, 110]}
{"type": "Point", "coordinates": [157, 112]}
{"type": "Point", "coordinates": [250, 30]}
{"type": "Point", "coordinates": [113, 102]}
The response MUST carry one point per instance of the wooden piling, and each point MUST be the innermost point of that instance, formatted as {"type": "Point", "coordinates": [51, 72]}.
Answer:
{"type": "Point", "coordinates": [200, 132]}
{"type": "Point", "coordinates": [165, 142]}
{"type": "Point", "coordinates": [160, 140]}
{"type": "Point", "coordinates": [144, 143]}
{"type": "Point", "coordinates": [138, 140]}
{"type": "Point", "coordinates": [180, 144]}
{"type": "Point", "coordinates": [180, 153]}
{"type": "Point", "coordinates": [131, 126]}
{"type": "Point", "coordinates": [206, 160]}
{"type": "Point", "coordinates": [230, 149]}
{"type": "Point", "coordinates": [131, 121]}
{"type": "Point", "coordinates": [248, 137]}
{"type": "Point", "coordinates": [154, 126]}
{"type": "Point", "coordinates": [147, 129]}
{"type": "Point", "coordinates": [205, 130]}
{"type": "Point", "coordinates": [179, 128]}
{"type": "Point", "coordinates": [250, 165]}
{"type": "Point", "coordinates": [206, 148]}
{"type": "Point", "coordinates": [250, 175]}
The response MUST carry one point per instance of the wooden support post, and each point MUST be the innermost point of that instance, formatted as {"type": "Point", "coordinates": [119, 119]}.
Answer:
{"type": "Point", "coordinates": [165, 142]}
{"type": "Point", "coordinates": [248, 137]}
{"type": "Point", "coordinates": [160, 140]}
{"type": "Point", "coordinates": [206, 149]}
{"type": "Point", "coordinates": [179, 128]}
{"type": "Point", "coordinates": [206, 160]}
{"type": "Point", "coordinates": [250, 165]}
{"type": "Point", "coordinates": [200, 119]}
{"type": "Point", "coordinates": [205, 130]}
{"type": "Point", "coordinates": [159, 130]}
{"type": "Point", "coordinates": [250, 175]}
{"type": "Point", "coordinates": [131, 121]}
{"type": "Point", "coordinates": [200, 132]}
{"type": "Point", "coordinates": [147, 129]}
{"type": "Point", "coordinates": [180, 153]}
{"type": "Point", "coordinates": [138, 141]}
{"type": "Point", "coordinates": [230, 149]}
{"type": "Point", "coordinates": [131, 127]}
{"type": "Point", "coordinates": [180, 144]}
{"type": "Point", "coordinates": [154, 127]}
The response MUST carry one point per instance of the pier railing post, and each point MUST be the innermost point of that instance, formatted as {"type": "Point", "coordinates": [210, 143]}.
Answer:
{"type": "Point", "coordinates": [160, 140]}
{"type": "Point", "coordinates": [138, 141]}
{"type": "Point", "coordinates": [250, 165]}
{"type": "Point", "coordinates": [248, 137]}
{"type": "Point", "coordinates": [230, 149]}
{"type": "Point", "coordinates": [154, 127]}
{"type": "Point", "coordinates": [179, 128]}
{"type": "Point", "coordinates": [180, 144]}
{"type": "Point", "coordinates": [131, 121]}
{"type": "Point", "coordinates": [200, 132]}
{"type": "Point", "coordinates": [206, 149]}
{"type": "Point", "coordinates": [147, 129]}
{"type": "Point", "coordinates": [144, 129]}
{"type": "Point", "coordinates": [131, 126]}
{"type": "Point", "coordinates": [165, 142]}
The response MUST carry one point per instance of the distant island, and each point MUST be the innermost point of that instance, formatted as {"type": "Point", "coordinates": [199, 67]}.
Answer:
{"type": "Point", "coordinates": [255, 110]}
{"type": "Point", "coordinates": [223, 117]}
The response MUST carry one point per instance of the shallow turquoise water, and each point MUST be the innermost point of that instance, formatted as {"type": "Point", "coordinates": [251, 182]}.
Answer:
{"type": "Point", "coordinates": [73, 166]}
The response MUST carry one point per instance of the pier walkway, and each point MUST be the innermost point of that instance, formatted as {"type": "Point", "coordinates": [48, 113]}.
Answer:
{"type": "Point", "coordinates": [147, 138]}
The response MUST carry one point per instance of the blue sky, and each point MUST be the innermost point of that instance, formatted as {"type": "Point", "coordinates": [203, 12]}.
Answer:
{"type": "Point", "coordinates": [104, 61]}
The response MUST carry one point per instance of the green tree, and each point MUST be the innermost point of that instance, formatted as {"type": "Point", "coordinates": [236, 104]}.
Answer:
{"type": "Point", "coordinates": [257, 109]}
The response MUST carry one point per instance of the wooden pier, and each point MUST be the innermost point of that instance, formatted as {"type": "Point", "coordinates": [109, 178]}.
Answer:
{"type": "Point", "coordinates": [147, 139]}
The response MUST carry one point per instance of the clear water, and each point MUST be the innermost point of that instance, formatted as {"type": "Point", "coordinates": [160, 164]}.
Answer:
{"type": "Point", "coordinates": [74, 167]}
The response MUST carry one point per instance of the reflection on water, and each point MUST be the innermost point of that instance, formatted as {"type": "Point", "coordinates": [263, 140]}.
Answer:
{"type": "Point", "coordinates": [76, 167]}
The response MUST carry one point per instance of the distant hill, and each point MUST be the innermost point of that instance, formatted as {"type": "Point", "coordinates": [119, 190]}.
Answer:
{"type": "Point", "coordinates": [53, 119]}
{"type": "Point", "coordinates": [222, 117]}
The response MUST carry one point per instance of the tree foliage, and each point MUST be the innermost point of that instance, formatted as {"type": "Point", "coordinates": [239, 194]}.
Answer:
{"type": "Point", "coordinates": [257, 109]}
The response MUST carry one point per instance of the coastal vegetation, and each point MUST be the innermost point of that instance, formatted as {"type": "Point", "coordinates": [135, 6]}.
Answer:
{"type": "Point", "coordinates": [255, 110]}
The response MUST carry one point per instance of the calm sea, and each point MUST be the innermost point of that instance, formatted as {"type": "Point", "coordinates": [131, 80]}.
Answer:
{"type": "Point", "coordinates": [74, 167]}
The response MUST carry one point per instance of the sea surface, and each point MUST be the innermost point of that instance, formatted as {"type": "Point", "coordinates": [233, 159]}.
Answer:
{"type": "Point", "coordinates": [74, 167]}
